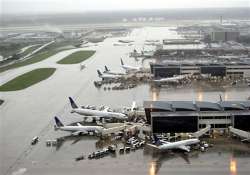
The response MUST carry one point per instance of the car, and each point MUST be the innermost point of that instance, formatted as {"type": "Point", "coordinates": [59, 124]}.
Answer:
{"type": "Point", "coordinates": [121, 150]}
{"type": "Point", "coordinates": [79, 158]}
{"type": "Point", "coordinates": [127, 149]}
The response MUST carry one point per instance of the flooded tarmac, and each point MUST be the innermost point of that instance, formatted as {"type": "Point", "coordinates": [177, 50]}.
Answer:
{"type": "Point", "coordinates": [28, 113]}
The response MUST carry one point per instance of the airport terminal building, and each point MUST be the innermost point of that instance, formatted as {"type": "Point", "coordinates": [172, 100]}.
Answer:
{"type": "Point", "coordinates": [221, 70]}
{"type": "Point", "coordinates": [189, 116]}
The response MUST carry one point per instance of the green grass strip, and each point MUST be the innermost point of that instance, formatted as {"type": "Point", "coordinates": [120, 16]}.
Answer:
{"type": "Point", "coordinates": [28, 79]}
{"type": "Point", "coordinates": [77, 57]}
{"type": "Point", "coordinates": [34, 59]}
{"type": "Point", "coordinates": [31, 49]}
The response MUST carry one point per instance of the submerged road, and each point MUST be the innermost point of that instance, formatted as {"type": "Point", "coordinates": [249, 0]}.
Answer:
{"type": "Point", "coordinates": [29, 112]}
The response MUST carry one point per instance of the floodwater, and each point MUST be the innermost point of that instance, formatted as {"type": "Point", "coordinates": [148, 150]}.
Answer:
{"type": "Point", "coordinates": [29, 112]}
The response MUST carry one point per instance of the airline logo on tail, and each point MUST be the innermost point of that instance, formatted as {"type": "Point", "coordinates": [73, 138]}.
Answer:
{"type": "Point", "coordinates": [122, 62]}
{"type": "Point", "coordinates": [157, 140]}
{"type": "Point", "coordinates": [99, 73]}
{"type": "Point", "coordinates": [58, 122]}
{"type": "Point", "coordinates": [72, 103]}
{"type": "Point", "coordinates": [106, 69]}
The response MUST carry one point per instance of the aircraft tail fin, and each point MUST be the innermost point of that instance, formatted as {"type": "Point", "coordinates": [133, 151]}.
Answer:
{"type": "Point", "coordinates": [122, 62]}
{"type": "Point", "coordinates": [220, 98]}
{"type": "Point", "coordinates": [99, 73]}
{"type": "Point", "coordinates": [156, 139]}
{"type": "Point", "coordinates": [106, 68]}
{"type": "Point", "coordinates": [58, 122]}
{"type": "Point", "coordinates": [72, 103]}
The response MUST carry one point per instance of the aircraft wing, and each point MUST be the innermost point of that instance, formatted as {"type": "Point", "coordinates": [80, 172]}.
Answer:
{"type": "Point", "coordinates": [183, 147]}
{"type": "Point", "coordinates": [164, 142]}
{"type": "Point", "coordinates": [78, 133]}
{"type": "Point", "coordinates": [153, 146]}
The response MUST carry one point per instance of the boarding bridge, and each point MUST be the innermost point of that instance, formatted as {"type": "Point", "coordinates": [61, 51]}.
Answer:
{"type": "Point", "coordinates": [241, 133]}
{"type": "Point", "coordinates": [202, 131]}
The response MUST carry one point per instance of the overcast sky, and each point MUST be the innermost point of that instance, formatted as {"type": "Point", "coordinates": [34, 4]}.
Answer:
{"type": "Point", "coordinates": [61, 6]}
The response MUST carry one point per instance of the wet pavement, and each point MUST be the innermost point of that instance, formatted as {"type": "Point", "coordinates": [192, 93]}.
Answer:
{"type": "Point", "coordinates": [28, 113]}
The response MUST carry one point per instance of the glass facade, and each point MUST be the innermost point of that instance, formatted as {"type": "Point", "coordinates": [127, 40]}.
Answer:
{"type": "Point", "coordinates": [214, 70]}
{"type": "Point", "coordinates": [242, 122]}
{"type": "Point", "coordinates": [174, 124]}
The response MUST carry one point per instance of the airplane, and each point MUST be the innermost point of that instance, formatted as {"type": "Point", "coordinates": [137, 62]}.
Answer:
{"type": "Point", "coordinates": [182, 145]}
{"type": "Point", "coordinates": [108, 71]}
{"type": "Point", "coordinates": [77, 130]}
{"type": "Point", "coordinates": [128, 68]}
{"type": "Point", "coordinates": [107, 76]}
{"type": "Point", "coordinates": [96, 113]}
{"type": "Point", "coordinates": [175, 79]}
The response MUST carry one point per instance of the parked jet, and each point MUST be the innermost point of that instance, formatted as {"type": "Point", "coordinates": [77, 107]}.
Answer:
{"type": "Point", "coordinates": [175, 79]}
{"type": "Point", "coordinates": [108, 71]}
{"type": "Point", "coordinates": [96, 113]}
{"type": "Point", "coordinates": [107, 76]}
{"type": "Point", "coordinates": [164, 145]}
{"type": "Point", "coordinates": [77, 130]}
{"type": "Point", "coordinates": [128, 68]}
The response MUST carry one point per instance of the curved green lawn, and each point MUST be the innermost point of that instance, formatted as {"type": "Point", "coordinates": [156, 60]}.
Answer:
{"type": "Point", "coordinates": [34, 59]}
{"type": "Point", "coordinates": [28, 79]}
{"type": "Point", "coordinates": [77, 57]}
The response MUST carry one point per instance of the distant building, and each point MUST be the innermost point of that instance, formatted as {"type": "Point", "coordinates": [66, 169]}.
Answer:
{"type": "Point", "coordinates": [217, 70]}
{"type": "Point", "coordinates": [225, 36]}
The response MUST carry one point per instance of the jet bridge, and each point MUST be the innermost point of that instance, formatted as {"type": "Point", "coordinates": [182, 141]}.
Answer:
{"type": "Point", "coordinates": [241, 133]}
{"type": "Point", "coordinates": [201, 132]}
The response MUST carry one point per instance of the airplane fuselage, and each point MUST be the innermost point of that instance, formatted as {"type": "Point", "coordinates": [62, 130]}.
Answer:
{"type": "Point", "coordinates": [171, 79]}
{"type": "Point", "coordinates": [131, 68]}
{"type": "Point", "coordinates": [104, 114]}
{"type": "Point", "coordinates": [113, 73]}
{"type": "Point", "coordinates": [109, 76]}
{"type": "Point", "coordinates": [178, 144]}
{"type": "Point", "coordinates": [81, 129]}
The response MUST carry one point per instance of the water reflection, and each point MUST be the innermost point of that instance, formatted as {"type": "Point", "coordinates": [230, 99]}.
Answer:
{"type": "Point", "coordinates": [155, 94]}
{"type": "Point", "coordinates": [200, 96]}
{"type": "Point", "coordinates": [226, 96]}
{"type": "Point", "coordinates": [73, 139]}
{"type": "Point", "coordinates": [233, 166]}
{"type": "Point", "coordinates": [158, 158]}
{"type": "Point", "coordinates": [152, 169]}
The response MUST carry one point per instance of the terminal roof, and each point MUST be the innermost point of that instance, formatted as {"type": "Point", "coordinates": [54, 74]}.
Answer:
{"type": "Point", "coordinates": [197, 105]}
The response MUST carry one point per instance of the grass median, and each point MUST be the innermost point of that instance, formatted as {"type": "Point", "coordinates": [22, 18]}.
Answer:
{"type": "Point", "coordinates": [34, 59]}
{"type": "Point", "coordinates": [28, 79]}
{"type": "Point", "coordinates": [77, 57]}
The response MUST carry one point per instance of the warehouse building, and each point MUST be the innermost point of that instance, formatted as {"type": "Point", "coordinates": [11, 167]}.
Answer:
{"type": "Point", "coordinates": [189, 116]}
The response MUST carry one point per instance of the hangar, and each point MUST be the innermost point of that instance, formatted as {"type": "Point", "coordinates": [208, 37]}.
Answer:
{"type": "Point", "coordinates": [190, 116]}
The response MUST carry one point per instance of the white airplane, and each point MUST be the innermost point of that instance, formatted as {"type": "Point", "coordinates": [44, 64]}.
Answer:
{"type": "Point", "coordinates": [183, 144]}
{"type": "Point", "coordinates": [96, 113]}
{"type": "Point", "coordinates": [108, 71]}
{"type": "Point", "coordinates": [128, 68]}
{"type": "Point", "coordinates": [175, 79]}
{"type": "Point", "coordinates": [79, 129]}
{"type": "Point", "coordinates": [107, 76]}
